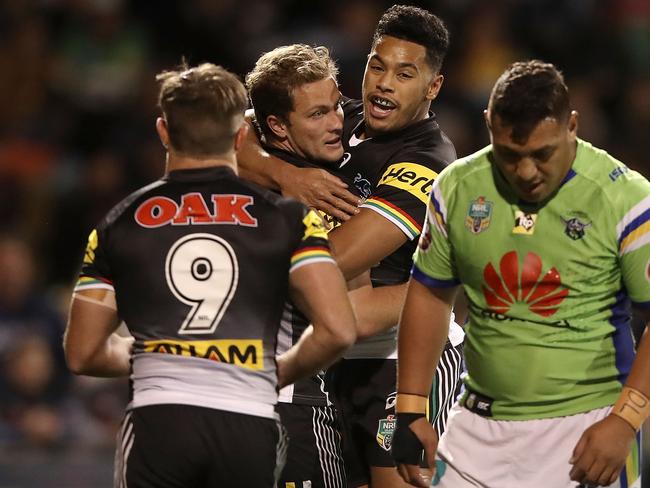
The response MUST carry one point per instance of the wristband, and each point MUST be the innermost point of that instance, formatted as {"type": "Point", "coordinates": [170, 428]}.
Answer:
{"type": "Point", "coordinates": [409, 403]}
{"type": "Point", "coordinates": [632, 406]}
{"type": "Point", "coordinates": [406, 448]}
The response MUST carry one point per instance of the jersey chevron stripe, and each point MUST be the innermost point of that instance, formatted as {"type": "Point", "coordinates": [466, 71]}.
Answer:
{"type": "Point", "coordinates": [639, 233]}
{"type": "Point", "coordinates": [641, 208]}
{"type": "Point", "coordinates": [439, 204]}
{"type": "Point", "coordinates": [398, 216]}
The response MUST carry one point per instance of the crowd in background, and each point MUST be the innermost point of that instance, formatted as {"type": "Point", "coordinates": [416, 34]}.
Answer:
{"type": "Point", "coordinates": [78, 105]}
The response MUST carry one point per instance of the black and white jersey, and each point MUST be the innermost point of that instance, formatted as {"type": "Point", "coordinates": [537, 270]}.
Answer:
{"type": "Point", "coordinates": [394, 172]}
{"type": "Point", "coordinates": [199, 262]}
{"type": "Point", "coordinates": [308, 391]}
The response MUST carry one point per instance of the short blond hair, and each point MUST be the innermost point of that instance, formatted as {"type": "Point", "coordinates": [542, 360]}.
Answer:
{"type": "Point", "coordinates": [203, 107]}
{"type": "Point", "coordinates": [279, 72]}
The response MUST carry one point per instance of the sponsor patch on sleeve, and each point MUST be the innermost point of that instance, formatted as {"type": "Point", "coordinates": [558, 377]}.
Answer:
{"type": "Point", "coordinates": [411, 177]}
{"type": "Point", "coordinates": [93, 242]}
{"type": "Point", "coordinates": [314, 226]}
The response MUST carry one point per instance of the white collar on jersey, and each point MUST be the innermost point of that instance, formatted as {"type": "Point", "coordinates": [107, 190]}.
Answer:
{"type": "Point", "coordinates": [355, 141]}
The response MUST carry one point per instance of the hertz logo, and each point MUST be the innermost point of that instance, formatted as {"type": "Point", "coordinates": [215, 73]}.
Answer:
{"type": "Point", "coordinates": [414, 178]}
{"type": "Point", "coordinates": [542, 293]}
{"type": "Point", "coordinates": [244, 353]}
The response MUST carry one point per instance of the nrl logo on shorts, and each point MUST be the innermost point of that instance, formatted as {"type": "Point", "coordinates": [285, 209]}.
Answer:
{"type": "Point", "coordinates": [479, 215]}
{"type": "Point", "coordinates": [385, 432]}
{"type": "Point", "coordinates": [576, 225]}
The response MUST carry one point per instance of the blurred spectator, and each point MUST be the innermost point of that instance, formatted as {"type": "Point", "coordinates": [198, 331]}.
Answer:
{"type": "Point", "coordinates": [34, 380]}
{"type": "Point", "coordinates": [100, 58]}
{"type": "Point", "coordinates": [101, 184]}
{"type": "Point", "coordinates": [31, 406]}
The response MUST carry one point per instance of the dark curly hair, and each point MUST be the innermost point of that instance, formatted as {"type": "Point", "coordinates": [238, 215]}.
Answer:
{"type": "Point", "coordinates": [526, 93]}
{"type": "Point", "coordinates": [416, 25]}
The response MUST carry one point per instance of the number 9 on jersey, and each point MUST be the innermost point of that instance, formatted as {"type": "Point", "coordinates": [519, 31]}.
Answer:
{"type": "Point", "coordinates": [202, 272]}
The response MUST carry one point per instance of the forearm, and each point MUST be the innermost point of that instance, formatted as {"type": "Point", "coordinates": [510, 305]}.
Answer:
{"type": "Point", "coordinates": [90, 344]}
{"type": "Point", "coordinates": [633, 404]}
{"type": "Point", "coordinates": [113, 359]}
{"type": "Point", "coordinates": [318, 290]}
{"type": "Point", "coordinates": [377, 309]}
{"type": "Point", "coordinates": [315, 350]}
{"type": "Point", "coordinates": [364, 241]}
{"type": "Point", "coordinates": [422, 336]}
{"type": "Point", "coordinates": [258, 166]}
{"type": "Point", "coordinates": [639, 377]}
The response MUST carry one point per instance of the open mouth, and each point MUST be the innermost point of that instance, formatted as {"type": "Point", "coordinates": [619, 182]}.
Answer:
{"type": "Point", "coordinates": [381, 107]}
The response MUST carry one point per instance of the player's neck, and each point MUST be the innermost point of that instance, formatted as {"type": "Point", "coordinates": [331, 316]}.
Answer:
{"type": "Point", "coordinates": [285, 145]}
{"type": "Point", "coordinates": [178, 161]}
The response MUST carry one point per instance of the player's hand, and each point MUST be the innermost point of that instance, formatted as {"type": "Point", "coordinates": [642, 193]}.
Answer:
{"type": "Point", "coordinates": [281, 362]}
{"type": "Point", "coordinates": [321, 190]}
{"type": "Point", "coordinates": [123, 344]}
{"type": "Point", "coordinates": [600, 453]}
{"type": "Point", "coordinates": [408, 442]}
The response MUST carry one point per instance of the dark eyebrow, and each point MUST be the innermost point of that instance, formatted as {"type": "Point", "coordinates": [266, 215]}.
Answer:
{"type": "Point", "coordinates": [548, 147]}
{"type": "Point", "coordinates": [400, 65]}
{"type": "Point", "coordinates": [322, 107]}
{"type": "Point", "coordinates": [507, 150]}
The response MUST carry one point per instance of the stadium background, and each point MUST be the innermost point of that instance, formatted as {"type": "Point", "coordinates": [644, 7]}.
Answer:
{"type": "Point", "coordinates": [77, 99]}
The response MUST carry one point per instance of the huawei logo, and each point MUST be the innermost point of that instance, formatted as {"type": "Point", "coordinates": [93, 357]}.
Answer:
{"type": "Point", "coordinates": [542, 293]}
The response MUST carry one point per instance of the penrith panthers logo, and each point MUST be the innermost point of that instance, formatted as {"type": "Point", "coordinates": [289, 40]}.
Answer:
{"type": "Point", "coordinates": [541, 292]}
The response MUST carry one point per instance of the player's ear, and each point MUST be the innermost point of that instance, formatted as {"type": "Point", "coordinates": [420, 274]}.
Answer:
{"type": "Point", "coordinates": [277, 126]}
{"type": "Point", "coordinates": [163, 133]}
{"type": "Point", "coordinates": [434, 87]}
{"type": "Point", "coordinates": [573, 123]}
{"type": "Point", "coordinates": [240, 135]}
{"type": "Point", "coordinates": [486, 116]}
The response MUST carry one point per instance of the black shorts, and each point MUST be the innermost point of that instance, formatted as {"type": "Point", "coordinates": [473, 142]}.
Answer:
{"type": "Point", "coordinates": [314, 457]}
{"type": "Point", "coordinates": [184, 446]}
{"type": "Point", "coordinates": [364, 394]}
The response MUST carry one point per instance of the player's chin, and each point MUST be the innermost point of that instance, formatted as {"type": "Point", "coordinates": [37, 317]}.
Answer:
{"type": "Point", "coordinates": [386, 124]}
{"type": "Point", "coordinates": [331, 153]}
{"type": "Point", "coordinates": [536, 196]}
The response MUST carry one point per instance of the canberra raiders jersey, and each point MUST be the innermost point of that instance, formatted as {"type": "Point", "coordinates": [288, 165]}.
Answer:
{"type": "Point", "coordinates": [199, 262]}
{"type": "Point", "coordinates": [308, 391]}
{"type": "Point", "coordinates": [549, 285]}
{"type": "Point", "coordinates": [395, 173]}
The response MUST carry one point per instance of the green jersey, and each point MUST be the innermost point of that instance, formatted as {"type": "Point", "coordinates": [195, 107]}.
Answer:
{"type": "Point", "coordinates": [549, 284]}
